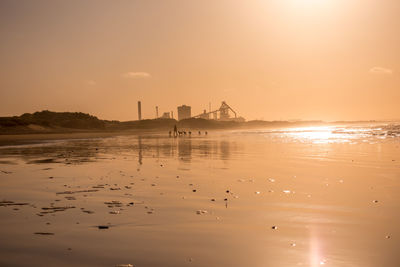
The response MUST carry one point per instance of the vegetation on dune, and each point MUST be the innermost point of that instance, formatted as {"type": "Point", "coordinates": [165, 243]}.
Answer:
{"type": "Point", "coordinates": [49, 119]}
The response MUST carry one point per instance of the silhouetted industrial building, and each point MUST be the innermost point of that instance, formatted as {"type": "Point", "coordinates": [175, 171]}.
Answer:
{"type": "Point", "coordinates": [139, 110]}
{"type": "Point", "coordinates": [166, 115]}
{"type": "Point", "coordinates": [221, 114]}
{"type": "Point", "coordinates": [184, 112]}
{"type": "Point", "coordinates": [205, 115]}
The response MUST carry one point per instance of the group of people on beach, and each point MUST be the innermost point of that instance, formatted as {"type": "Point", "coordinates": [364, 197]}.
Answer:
{"type": "Point", "coordinates": [177, 133]}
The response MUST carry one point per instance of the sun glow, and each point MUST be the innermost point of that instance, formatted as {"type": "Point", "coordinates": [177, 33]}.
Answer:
{"type": "Point", "coordinates": [310, 4]}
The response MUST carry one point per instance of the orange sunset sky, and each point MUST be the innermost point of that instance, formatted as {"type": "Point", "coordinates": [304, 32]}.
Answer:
{"type": "Point", "coordinates": [272, 60]}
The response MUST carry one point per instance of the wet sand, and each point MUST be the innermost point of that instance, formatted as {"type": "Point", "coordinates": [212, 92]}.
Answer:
{"type": "Point", "coordinates": [231, 198]}
{"type": "Point", "coordinates": [32, 138]}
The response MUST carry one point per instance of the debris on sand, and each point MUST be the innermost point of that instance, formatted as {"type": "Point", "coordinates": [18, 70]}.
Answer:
{"type": "Point", "coordinates": [201, 212]}
{"type": "Point", "coordinates": [88, 211]}
{"type": "Point", "coordinates": [55, 209]}
{"type": "Point", "coordinates": [113, 204]}
{"type": "Point", "coordinates": [6, 172]}
{"type": "Point", "coordinates": [43, 233]}
{"type": "Point", "coordinates": [114, 212]}
{"type": "Point", "coordinates": [6, 203]}
{"type": "Point", "coordinates": [70, 198]}
{"type": "Point", "coordinates": [274, 227]}
{"type": "Point", "coordinates": [102, 227]}
{"type": "Point", "coordinates": [64, 192]}
{"type": "Point", "coordinates": [78, 191]}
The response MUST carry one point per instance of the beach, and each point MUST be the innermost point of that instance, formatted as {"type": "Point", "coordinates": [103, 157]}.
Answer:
{"type": "Point", "coordinates": [312, 196]}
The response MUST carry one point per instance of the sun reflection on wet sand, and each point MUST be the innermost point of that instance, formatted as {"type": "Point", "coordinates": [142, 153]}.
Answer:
{"type": "Point", "coordinates": [316, 253]}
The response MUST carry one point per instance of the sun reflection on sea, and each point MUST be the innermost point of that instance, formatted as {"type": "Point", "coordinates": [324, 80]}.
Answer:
{"type": "Point", "coordinates": [316, 258]}
{"type": "Point", "coordinates": [321, 134]}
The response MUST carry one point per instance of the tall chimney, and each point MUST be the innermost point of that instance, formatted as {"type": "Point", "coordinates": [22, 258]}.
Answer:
{"type": "Point", "coordinates": [139, 109]}
{"type": "Point", "coordinates": [156, 112]}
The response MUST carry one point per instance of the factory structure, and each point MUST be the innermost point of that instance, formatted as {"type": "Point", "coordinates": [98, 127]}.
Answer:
{"type": "Point", "coordinates": [223, 113]}
{"type": "Point", "coordinates": [184, 112]}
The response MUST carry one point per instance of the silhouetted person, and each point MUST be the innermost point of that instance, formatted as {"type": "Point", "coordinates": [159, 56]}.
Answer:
{"type": "Point", "coordinates": [199, 133]}
{"type": "Point", "coordinates": [206, 133]}
{"type": "Point", "coordinates": [175, 131]}
{"type": "Point", "coordinates": [169, 133]}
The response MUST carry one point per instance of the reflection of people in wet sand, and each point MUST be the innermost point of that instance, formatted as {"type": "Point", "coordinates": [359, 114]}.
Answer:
{"type": "Point", "coordinates": [175, 131]}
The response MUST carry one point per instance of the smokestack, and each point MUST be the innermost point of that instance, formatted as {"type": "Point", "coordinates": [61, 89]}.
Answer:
{"type": "Point", "coordinates": [156, 112]}
{"type": "Point", "coordinates": [172, 114]}
{"type": "Point", "coordinates": [139, 110]}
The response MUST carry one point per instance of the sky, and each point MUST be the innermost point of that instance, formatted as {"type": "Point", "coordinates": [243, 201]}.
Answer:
{"type": "Point", "coordinates": [268, 59]}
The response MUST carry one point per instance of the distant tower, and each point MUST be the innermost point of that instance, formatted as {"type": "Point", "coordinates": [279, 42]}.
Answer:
{"type": "Point", "coordinates": [156, 112]}
{"type": "Point", "coordinates": [139, 110]}
{"type": "Point", "coordinates": [184, 112]}
{"type": "Point", "coordinates": [172, 114]}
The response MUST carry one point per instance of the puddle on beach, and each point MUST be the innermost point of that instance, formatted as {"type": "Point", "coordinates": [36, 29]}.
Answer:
{"type": "Point", "coordinates": [242, 198]}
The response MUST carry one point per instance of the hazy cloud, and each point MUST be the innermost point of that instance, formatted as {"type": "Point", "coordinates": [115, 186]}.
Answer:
{"type": "Point", "coordinates": [90, 82]}
{"type": "Point", "coordinates": [136, 75]}
{"type": "Point", "coordinates": [381, 70]}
